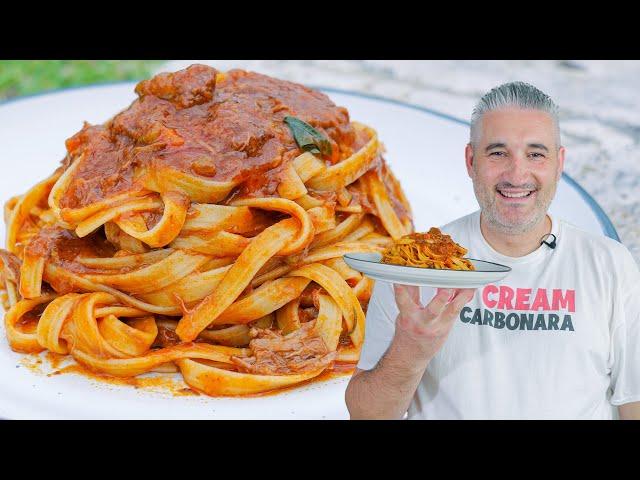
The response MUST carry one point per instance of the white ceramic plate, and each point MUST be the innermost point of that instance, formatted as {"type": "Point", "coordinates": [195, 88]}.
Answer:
{"type": "Point", "coordinates": [484, 273]}
{"type": "Point", "coordinates": [32, 134]}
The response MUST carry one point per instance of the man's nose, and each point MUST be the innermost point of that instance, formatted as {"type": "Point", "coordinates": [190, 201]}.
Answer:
{"type": "Point", "coordinates": [518, 172]}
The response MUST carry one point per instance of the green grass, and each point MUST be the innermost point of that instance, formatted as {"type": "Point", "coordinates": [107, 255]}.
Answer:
{"type": "Point", "coordinates": [24, 77]}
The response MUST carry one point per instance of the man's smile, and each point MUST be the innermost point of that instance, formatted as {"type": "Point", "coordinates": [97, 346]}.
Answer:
{"type": "Point", "coordinates": [516, 194]}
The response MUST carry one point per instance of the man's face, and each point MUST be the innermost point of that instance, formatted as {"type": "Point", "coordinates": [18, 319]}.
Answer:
{"type": "Point", "coordinates": [515, 165]}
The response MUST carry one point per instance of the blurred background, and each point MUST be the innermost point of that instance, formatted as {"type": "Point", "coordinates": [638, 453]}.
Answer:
{"type": "Point", "coordinates": [26, 77]}
{"type": "Point", "coordinates": [599, 104]}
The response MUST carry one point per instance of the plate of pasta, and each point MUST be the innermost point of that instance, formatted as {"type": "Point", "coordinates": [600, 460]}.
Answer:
{"type": "Point", "coordinates": [183, 253]}
{"type": "Point", "coordinates": [198, 234]}
{"type": "Point", "coordinates": [430, 259]}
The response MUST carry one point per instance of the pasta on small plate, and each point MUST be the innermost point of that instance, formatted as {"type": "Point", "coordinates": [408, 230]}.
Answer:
{"type": "Point", "coordinates": [427, 259]}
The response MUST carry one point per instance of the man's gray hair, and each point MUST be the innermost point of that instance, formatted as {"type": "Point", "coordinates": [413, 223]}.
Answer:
{"type": "Point", "coordinates": [514, 94]}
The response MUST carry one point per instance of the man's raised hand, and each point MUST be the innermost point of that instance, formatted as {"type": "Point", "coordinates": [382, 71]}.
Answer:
{"type": "Point", "coordinates": [426, 327]}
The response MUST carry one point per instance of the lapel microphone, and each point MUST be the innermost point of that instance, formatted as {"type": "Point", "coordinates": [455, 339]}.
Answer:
{"type": "Point", "coordinates": [552, 243]}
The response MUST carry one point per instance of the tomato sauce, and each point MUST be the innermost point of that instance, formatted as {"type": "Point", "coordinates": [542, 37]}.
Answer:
{"type": "Point", "coordinates": [167, 382]}
{"type": "Point", "coordinates": [218, 126]}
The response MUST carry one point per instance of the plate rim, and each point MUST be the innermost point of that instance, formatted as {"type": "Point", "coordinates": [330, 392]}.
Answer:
{"type": "Point", "coordinates": [608, 229]}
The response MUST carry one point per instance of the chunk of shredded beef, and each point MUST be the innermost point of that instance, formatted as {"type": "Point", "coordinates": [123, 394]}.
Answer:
{"type": "Point", "coordinates": [300, 351]}
{"type": "Point", "coordinates": [9, 266]}
{"type": "Point", "coordinates": [186, 88]}
{"type": "Point", "coordinates": [166, 337]}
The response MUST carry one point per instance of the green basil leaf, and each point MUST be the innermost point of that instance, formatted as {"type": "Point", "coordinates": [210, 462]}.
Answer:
{"type": "Point", "coordinates": [307, 137]}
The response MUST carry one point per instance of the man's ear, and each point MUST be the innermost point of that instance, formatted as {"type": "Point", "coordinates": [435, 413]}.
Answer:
{"type": "Point", "coordinates": [561, 152]}
{"type": "Point", "coordinates": [468, 159]}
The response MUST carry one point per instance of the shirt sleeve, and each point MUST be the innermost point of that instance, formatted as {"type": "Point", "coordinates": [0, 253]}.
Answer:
{"type": "Point", "coordinates": [625, 338]}
{"type": "Point", "coordinates": [380, 325]}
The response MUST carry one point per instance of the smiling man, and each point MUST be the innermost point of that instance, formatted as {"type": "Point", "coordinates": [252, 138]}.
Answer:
{"type": "Point", "coordinates": [559, 337]}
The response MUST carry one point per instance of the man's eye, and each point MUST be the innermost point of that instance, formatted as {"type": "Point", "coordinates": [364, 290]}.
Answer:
{"type": "Point", "coordinates": [498, 154]}
{"type": "Point", "coordinates": [537, 155]}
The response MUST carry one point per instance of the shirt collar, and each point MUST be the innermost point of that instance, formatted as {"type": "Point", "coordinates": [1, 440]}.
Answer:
{"type": "Point", "coordinates": [543, 251]}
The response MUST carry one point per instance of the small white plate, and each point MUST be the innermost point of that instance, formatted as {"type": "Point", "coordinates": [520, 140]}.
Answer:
{"type": "Point", "coordinates": [485, 272]}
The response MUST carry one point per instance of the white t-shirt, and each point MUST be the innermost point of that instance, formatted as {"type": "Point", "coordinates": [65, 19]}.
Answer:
{"type": "Point", "coordinates": [558, 338]}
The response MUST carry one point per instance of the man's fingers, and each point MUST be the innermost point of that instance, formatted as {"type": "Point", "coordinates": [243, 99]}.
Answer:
{"type": "Point", "coordinates": [445, 305]}
{"type": "Point", "coordinates": [460, 299]}
{"type": "Point", "coordinates": [414, 293]}
{"type": "Point", "coordinates": [405, 298]}
{"type": "Point", "coordinates": [438, 303]}
{"type": "Point", "coordinates": [459, 291]}
{"type": "Point", "coordinates": [466, 293]}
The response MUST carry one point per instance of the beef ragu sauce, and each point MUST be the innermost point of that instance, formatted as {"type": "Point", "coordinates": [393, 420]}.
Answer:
{"type": "Point", "coordinates": [164, 383]}
{"type": "Point", "coordinates": [150, 218]}
{"type": "Point", "coordinates": [171, 384]}
{"type": "Point", "coordinates": [394, 191]}
{"type": "Point", "coordinates": [221, 126]}
{"type": "Point", "coordinates": [339, 369]}
{"type": "Point", "coordinates": [64, 246]}
{"type": "Point", "coordinates": [29, 322]}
